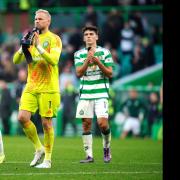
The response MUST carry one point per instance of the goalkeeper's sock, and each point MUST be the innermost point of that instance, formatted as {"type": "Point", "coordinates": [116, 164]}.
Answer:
{"type": "Point", "coordinates": [31, 132]}
{"type": "Point", "coordinates": [106, 135]}
{"type": "Point", "coordinates": [87, 142]}
{"type": "Point", "coordinates": [1, 145]}
{"type": "Point", "coordinates": [48, 142]}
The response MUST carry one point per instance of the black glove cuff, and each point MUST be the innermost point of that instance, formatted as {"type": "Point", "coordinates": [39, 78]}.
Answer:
{"type": "Point", "coordinates": [27, 54]}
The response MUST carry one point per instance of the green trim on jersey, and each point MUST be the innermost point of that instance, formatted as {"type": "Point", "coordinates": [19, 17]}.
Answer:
{"type": "Point", "coordinates": [78, 64]}
{"type": "Point", "coordinates": [99, 81]}
{"type": "Point", "coordinates": [93, 91]}
{"type": "Point", "coordinates": [108, 56]}
{"type": "Point", "coordinates": [76, 58]}
{"type": "Point", "coordinates": [99, 53]}
{"type": "Point", "coordinates": [109, 64]}
{"type": "Point", "coordinates": [94, 98]}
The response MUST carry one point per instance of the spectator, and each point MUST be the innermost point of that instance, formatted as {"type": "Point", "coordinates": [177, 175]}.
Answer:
{"type": "Point", "coordinates": [68, 107]}
{"type": "Point", "coordinates": [91, 16]}
{"type": "Point", "coordinates": [5, 107]}
{"type": "Point", "coordinates": [154, 111]}
{"type": "Point", "coordinates": [75, 39]}
{"type": "Point", "coordinates": [20, 83]}
{"type": "Point", "coordinates": [137, 59]}
{"type": "Point", "coordinates": [127, 39]}
{"type": "Point", "coordinates": [19, 86]}
{"type": "Point", "coordinates": [66, 76]}
{"type": "Point", "coordinates": [134, 111]}
{"type": "Point", "coordinates": [10, 36]}
{"type": "Point", "coordinates": [111, 28]}
{"type": "Point", "coordinates": [156, 34]}
{"type": "Point", "coordinates": [136, 23]}
{"type": "Point", "coordinates": [148, 53]}
{"type": "Point", "coordinates": [7, 69]}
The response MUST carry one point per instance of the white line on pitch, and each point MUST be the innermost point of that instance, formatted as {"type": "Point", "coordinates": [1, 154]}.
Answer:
{"type": "Point", "coordinates": [99, 162]}
{"type": "Point", "coordinates": [81, 173]}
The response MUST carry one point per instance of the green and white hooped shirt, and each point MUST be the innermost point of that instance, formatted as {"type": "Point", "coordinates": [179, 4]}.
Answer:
{"type": "Point", "coordinates": [94, 84]}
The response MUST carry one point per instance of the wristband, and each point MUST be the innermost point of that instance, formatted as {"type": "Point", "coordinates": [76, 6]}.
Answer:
{"type": "Point", "coordinates": [40, 49]}
{"type": "Point", "coordinates": [20, 51]}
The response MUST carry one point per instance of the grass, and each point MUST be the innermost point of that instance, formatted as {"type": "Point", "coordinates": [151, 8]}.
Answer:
{"type": "Point", "coordinates": [134, 159]}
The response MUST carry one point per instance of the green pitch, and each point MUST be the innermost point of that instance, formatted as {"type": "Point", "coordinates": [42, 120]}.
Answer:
{"type": "Point", "coordinates": [135, 159]}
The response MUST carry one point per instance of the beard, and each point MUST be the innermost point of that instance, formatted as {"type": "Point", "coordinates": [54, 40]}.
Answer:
{"type": "Point", "coordinates": [39, 27]}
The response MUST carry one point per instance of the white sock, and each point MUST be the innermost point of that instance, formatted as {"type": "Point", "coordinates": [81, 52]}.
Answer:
{"type": "Point", "coordinates": [106, 140]}
{"type": "Point", "coordinates": [1, 145]}
{"type": "Point", "coordinates": [87, 142]}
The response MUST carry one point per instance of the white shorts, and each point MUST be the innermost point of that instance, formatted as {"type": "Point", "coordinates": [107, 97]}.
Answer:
{"type": "Point", "coordinates": [87, 108]}
{"type": "Point", "coordinates": [132, 124]}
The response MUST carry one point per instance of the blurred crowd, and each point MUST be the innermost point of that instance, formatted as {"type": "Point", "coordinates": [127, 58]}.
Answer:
{"type": "Point", "coordinates": [22, 5]}
{"type": "Point", "coordinates": [135, 43]}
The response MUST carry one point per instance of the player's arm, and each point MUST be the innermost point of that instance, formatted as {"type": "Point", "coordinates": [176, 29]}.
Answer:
{"type": "Point", "coordinates": [106, 68]}
{"type": "Point", "coordinates": [18, 56]}
{"type": "Point", "coordinates": [55, 51]}
{"type": "Point", "coordinates": [81, 67]}
{"type": "Point", "coordinates": [80, 70]}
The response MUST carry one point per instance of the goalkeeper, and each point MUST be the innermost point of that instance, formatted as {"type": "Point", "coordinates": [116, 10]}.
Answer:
{"type": "Point", "coordinates": [42, 88]}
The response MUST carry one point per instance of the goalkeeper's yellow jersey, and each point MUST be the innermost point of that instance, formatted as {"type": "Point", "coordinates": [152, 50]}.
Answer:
{"type": "Point", "coordinates": [43, 73]}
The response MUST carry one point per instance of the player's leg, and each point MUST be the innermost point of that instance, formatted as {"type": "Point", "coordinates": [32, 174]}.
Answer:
{"type": "Point", "coordinates": [48, 106]}
{"type": "Point", "coordinates": [85, 111]}
{"type": "Point", "coordinates": [106, 136]}
{"type": "Point", "coordinates": [48, 142]}
{"type": "Point", "coordinates": [28, 104]}
{"type": "Point", "coordinates": [87, 140]}
{"type": "Point", "coordinates": [101, 110]}
{"type": "Point", "coordinates": [2, 156]}
{"type": "Point", "coordinates": [29, 128]}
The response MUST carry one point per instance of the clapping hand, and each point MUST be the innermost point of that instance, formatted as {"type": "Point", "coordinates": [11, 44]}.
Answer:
{"type": "Point", "coordinates": [36, 39]}
{"type": "Point", "coordinates": [91, 55]}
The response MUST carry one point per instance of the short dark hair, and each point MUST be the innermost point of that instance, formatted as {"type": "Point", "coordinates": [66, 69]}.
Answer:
{"type": "Point", "coordinates": [91, 28]}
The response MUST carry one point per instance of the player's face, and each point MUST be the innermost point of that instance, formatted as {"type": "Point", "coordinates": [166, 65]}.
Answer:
{"type": "Point", "coordinates": [41, 21]}
{"type": "Point", "coordinates": [90, 37]}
